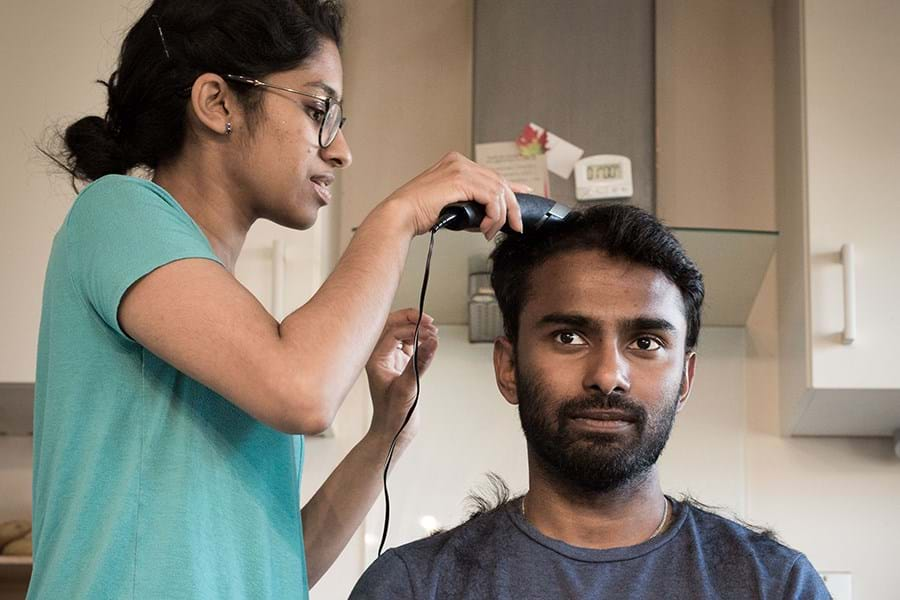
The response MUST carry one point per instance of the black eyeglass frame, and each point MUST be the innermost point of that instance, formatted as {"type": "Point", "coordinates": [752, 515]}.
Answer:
{"type": "Point", "coordinates": [330, 104]}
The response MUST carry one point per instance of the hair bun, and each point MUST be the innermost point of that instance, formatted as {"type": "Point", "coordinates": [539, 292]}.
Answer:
{"type": "Point", "coordinates": [93, 150]}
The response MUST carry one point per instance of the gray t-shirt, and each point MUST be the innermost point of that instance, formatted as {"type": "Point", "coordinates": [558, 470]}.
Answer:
{"type": "Point", "coordinates": [499, 556]}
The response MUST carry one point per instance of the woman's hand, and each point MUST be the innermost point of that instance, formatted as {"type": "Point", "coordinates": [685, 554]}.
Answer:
{"type": "Point", "coordinates": [455, 178]}
{"type": "Point", "coordinates": [392, 380]}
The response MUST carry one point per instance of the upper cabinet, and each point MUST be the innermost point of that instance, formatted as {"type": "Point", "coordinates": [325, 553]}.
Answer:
{"type": "Point", "coordinates": [838, 197]}
{"type": "Point", "coordinates": [605, 75]}
{"type": "Point", "coordinates": [583, 69]}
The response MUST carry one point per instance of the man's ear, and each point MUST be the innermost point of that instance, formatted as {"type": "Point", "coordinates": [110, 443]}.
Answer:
{"type": "Point", "coordinates": [687, 378]}
{"type": "Point", "coordinates": [213, 104]}
{"type": "Point", "coordinates": [505, 369]}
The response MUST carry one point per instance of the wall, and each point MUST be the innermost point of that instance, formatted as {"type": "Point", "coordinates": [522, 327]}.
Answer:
{"type": "Point", "coordinates": [35, 37]}
{"type": "Point", "coordinates": [833, 498]}
{"type": "Point", "coordinates": [408, 98]}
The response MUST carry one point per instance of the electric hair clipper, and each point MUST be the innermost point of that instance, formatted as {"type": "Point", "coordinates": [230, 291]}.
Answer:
{"type": "Point", "coordinates": [536, 211]}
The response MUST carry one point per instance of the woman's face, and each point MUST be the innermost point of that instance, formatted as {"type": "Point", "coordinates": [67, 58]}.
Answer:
{"type": "Point", "coordinates": [282, 170]}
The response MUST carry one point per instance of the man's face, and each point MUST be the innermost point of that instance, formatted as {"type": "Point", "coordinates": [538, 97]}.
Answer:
{"type": "Point", "coordinates": [599, 369]}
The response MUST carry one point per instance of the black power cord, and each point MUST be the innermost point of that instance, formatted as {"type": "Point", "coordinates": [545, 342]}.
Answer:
{"type": "Point", "coordinates": [446, 219]}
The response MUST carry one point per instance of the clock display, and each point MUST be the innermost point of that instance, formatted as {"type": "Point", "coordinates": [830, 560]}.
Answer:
{"type": "Point", "coordinates": [603, 172]}
{"type": "Point", "coordinates": [603, 176]}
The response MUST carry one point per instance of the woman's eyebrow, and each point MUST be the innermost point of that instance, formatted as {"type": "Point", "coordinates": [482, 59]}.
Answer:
{"type": "Point", "coordinates": [327, 89]}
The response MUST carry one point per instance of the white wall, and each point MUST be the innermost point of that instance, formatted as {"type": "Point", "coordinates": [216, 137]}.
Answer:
{"type": "Point", "coordinates": [50, 55]}
{"type": "Point", "coordinates": [35, 39]}
{"type": "Point", "coordinates": [833, 498]}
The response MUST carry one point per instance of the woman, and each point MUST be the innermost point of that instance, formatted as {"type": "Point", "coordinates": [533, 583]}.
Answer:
{"type": "Point", "coordinates": [166, 395]}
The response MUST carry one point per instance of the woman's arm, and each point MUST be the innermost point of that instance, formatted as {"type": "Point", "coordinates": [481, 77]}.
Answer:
{"type": "Point", "coordinates": [294, 375]}
{"type": "Point", "coordinates": [336, 510]}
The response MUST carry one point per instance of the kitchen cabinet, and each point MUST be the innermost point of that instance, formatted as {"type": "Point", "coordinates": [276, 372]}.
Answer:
{"type": "Point", "coordinates": [605, 76]}
{"type": "Point", "coordinates": [583, 69]}
{"type": "Point", "coordinates": [838, 198]}
{"type": "Point", "coordinates": [16, 409]}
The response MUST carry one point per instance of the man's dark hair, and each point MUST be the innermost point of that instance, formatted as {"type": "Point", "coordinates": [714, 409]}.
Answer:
{"type": "Point", "coordinates": [169, 46]}
{"type": "Point", "coordinates": [620, 231]}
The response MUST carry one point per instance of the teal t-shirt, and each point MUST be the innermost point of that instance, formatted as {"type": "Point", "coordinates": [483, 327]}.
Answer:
{"type": "Point", "coordinates": [147, 484]}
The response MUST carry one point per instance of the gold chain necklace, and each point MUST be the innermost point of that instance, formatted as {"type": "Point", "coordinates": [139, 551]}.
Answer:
{"type": "Point", "coordinates": [656, 532]}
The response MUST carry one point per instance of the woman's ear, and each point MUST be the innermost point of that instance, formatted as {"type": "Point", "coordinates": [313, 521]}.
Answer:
{"type": "Point", "coordinates": [213, 104]}
{"type": "Point", "coordinates": [505, 369]}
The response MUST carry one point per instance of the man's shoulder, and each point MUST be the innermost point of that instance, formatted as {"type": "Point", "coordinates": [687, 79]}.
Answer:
{"type": "Point", "coordinates": [481, 530]}
{"type": "Point", "coordinates": [737, 551]}
{"type": "Point", "coordinates": [713, 528]}
{"type": "Point", "coordinates": [735, 545]}
{"type": "Point", "coordinates": [400, 571]}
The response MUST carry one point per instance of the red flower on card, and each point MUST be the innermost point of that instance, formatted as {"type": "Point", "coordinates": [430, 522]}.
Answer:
{"type": "Point", "coordinates": [531, 143]}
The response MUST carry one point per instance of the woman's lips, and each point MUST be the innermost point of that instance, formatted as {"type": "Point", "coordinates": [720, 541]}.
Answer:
{"type": "Point", "coordinates": [320, 184]}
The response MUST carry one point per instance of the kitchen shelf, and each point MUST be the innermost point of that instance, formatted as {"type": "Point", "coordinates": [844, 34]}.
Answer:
{"type": "Point", "coordinates": [16, 409]}
{"type": "Point", "coordinates": [15, 568]}
{"type": "Point", "coordinates": [733, 263]}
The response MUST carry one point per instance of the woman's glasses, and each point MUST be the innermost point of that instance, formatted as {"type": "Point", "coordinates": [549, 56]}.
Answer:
{"type": "Point", "coordinates": [332, 118]}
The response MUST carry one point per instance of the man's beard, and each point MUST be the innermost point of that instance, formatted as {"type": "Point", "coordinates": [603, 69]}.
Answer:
{"type": "Point", "coordinates": [593, 461]}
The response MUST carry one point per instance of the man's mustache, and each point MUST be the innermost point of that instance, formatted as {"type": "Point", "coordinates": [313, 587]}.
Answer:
{"type": "Point", "coordinates": [619, 402]}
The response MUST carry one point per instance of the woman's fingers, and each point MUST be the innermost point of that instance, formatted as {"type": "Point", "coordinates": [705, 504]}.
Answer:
{"type": "Point", "coordinates": [407, 315]}
{"type": "Point", "coordinates": [455, 178]}
{"type": "Point", "coordinates": [514, 211]}
{"type": "Point", "coordinates": [395, 347]}
{"type": "Point", "coordinates": [427, 351]}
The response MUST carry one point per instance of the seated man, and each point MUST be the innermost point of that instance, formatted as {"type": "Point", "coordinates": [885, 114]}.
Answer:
{"type": "Point", "coordinates": [601, 315]}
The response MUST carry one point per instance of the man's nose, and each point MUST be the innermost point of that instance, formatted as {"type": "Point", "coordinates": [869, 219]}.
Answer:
{"type": "Point", "coordinates": [607, 370]}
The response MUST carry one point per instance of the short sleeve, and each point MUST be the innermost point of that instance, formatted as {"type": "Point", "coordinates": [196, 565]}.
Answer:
{"type": "Point", "coordinates": [805, 583]}
{"type": "Point", "coordinates": [119, 230]}
{"type": "Point", "coordinates": [386, 579]}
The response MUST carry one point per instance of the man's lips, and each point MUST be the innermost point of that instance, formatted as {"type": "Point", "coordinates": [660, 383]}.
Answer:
{"type": "Point", "coordinates": [603, 414]}
{"type": "Point", "coordinates": [602, 419]}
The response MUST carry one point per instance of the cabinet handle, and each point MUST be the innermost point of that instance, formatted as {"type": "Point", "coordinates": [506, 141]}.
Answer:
{"type": "Point", "coordinates": [847, 263]}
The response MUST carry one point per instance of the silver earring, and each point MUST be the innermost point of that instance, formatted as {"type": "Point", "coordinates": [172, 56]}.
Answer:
{"type": "Point", "coordinates": [228, 128]}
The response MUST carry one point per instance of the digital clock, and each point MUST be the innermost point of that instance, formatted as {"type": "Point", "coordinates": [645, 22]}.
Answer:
{"type": "Point", "coordinates": [603, 176]}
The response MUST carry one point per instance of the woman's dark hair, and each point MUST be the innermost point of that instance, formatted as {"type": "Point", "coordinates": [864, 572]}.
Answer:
{"type": "Point", "coordinates": [173, 43]}
{"type": "Point", "coordinates": [621, 231]}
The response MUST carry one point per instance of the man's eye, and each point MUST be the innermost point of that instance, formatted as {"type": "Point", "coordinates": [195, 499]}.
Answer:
{"type": "Point", "coordinates": [569, 338]}
{"type": "Point", "coordinates": [646, 343]}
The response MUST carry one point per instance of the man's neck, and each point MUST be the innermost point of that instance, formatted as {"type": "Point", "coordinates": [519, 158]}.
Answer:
{"type": "Point", "coordinates": [627, 516]}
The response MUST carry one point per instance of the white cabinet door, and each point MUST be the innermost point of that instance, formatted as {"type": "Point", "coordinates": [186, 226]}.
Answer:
{"type": "Point", "coordinates": [852, 64]}
{"type": "Point", "coordinates": [304, 267]}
